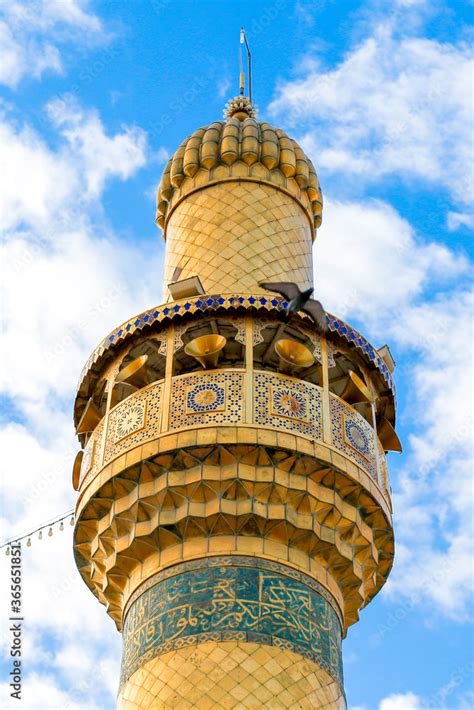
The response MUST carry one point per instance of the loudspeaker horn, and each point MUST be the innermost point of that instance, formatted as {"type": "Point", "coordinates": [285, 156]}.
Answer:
{"type": "Point", "coordinates": [206, 349]}
{"type": "Point", "coordinates": [91, 416]}
{"type": "Point", "coordinates": [292, 355]}
{"type": "Point", "coordinates": [135, 373]}
{"type": "Point", "coordinates": [76, 470]}
{"type": "Point", "coordinates": [388, 436]}
{"type": "Point", "coordinates": [356, 390]}
{"type": "Point", "coordinates": [121, 391]}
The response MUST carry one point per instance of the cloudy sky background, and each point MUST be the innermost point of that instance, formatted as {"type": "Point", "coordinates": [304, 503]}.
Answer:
{"type": "Point", "coordinates": [94, 96]}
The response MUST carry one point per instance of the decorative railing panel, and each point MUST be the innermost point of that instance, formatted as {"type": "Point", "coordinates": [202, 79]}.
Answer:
{"type": "Point", "coordinates": [133, 421]}
{"type": "Point", "coordinates": [218, 398]}
{"type": "Point", "coordinates": [205, 398]}
{"type": "Point", "coordinates": [287, 404]}
{"type": "Point", "coordinates": [353, 435]}
{"type": "Point", "coordinates": [91, 462]}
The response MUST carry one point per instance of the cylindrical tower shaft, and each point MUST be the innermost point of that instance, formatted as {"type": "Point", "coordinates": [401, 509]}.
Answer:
{"type": "Point", "coordinates": [234, 509]}
{"type": "Point", "coordinates": [237, 233]}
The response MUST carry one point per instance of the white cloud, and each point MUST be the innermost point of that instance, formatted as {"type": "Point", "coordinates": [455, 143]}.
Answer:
{"type": "Point", "coordinates": [66, 280]}
{"type": "Point", "coordinates": [460, 219]}
{"type": "Point", "coordinates": [161, 155]}
{"type": "Point", "coordinates": [415, 295]}
{"type": "Point", "coordinates": [399, 701]}
{"type": "Point", "coordinates": [59, 305]}
{"type": "Point", "coordinates": [392, 106]}
{"type": "Point", "coordinates": [31, 30]}
{"type": "Point", "coordinates": [101, 156]}
{"type": "Point", "coordinates": [40, 186]}
{"type": "Point", "coordinates": [369, 262]}
{"type": "Point", "coordinates": [34, 183]}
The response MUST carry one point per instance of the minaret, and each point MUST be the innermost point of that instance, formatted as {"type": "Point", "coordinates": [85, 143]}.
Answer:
{"type": "Point", "coordinates": [233, 509]}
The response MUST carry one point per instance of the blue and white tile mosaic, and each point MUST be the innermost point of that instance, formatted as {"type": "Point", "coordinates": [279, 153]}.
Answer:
{"type": "Point", "coordinates": [207, 398]}
{"type": "Point", "coordinates": [232, 602]}
{"type": "Point", "coordinates": [289, 405]}
{"type": "Point", "coordinates": [353, 435]}
{"type": "Point", "coordinates": [133, 421]}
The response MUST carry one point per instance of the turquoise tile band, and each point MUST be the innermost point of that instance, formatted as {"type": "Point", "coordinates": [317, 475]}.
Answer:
{"type": "Point", "coordinates": [232, 602]}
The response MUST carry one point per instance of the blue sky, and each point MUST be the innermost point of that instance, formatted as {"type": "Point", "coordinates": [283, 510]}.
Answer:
{"type": "Point", "coordinates": [94, 97]}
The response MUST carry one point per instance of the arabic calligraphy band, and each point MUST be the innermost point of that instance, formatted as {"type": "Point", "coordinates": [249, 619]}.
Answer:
{"type": "Point", "coordinates": [266, 603]}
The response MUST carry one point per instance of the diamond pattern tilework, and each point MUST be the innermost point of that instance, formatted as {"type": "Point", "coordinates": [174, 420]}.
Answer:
{"type": "Point", "coordinates": [232, 675]}
{"type": "Point", "coordinates": [223, 234]}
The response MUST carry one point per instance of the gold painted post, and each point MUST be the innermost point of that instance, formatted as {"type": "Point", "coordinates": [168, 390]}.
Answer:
{"type": "Point", "coordinates": [249, 370]}
{"type": "Point", "coordinates": [169, 370]}
{"type": "Point", "coordinates": [326, 401]}
{"type": "Point", "coordinates": [111, 383]}
{"type": "Point", "coordinates": [376, 442]}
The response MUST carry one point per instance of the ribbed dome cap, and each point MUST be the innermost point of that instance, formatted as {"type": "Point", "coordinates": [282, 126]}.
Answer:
{"type": "Point", "coordinates": [245, 148]}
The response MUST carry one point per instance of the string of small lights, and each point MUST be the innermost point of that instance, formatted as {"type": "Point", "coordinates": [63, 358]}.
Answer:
{"type": "Point", "coordinates": [57, 522]}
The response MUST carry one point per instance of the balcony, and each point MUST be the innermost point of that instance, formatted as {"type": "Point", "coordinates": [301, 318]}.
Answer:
{"type": "Point", "coordinates": [235, 398]}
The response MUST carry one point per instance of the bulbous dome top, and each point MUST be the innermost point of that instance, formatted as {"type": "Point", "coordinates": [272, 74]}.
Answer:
{"type": "Point", "coordinates": [240, 147]}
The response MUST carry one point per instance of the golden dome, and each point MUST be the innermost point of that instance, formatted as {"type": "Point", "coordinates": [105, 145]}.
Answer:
{"type": "Point", "coordinates": [239, 148]}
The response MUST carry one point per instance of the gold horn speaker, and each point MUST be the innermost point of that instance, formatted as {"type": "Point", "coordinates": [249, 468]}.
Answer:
{"type": "Point", "coordinates": [76, 470]}
{"type": "Point", "coordinates": [206, 349]}
{"type": "Point", "coordinates": [292, 355]}
{"type": "Point", "coordinates": [388, 436]}
{"type": "Point", "coordinates": [91, 416]}
{"type": "Point", "coordinates": [135, 373]}
{"type": "Point", "coordinates": [356, 390]}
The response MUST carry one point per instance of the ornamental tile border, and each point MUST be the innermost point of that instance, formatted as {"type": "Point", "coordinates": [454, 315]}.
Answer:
{"type": "Point", "coordinates": [186, 412]}
{"type": "Point", "coordinates": [95, 445]}
{"type": "Point", "coordinates": [149, 402]}
{"type": "Point", "coordinates": [262, 604]}
{"type": "Point", "coordinates": [201, 304]}
{"type": "Point", "coordinates": [342, 417]}
{"type": "Point", "coordinates": [234, 560]}
{"type": "Point", "coordinates": [274, 397]}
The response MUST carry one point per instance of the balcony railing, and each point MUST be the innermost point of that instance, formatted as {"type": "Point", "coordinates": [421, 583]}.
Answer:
{"type": "Point", "coordinates": [235, 397]}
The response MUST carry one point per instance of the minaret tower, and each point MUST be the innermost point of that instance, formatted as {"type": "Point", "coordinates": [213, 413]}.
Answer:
{"type": "Point", "coordinates": [233, 509]}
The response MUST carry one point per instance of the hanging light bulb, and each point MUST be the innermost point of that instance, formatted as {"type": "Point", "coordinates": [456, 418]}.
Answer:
{"type": "Point", "coordinates": [61, 525]}
{"type": "Point", "coordinates": [40, 536]}
{"type": "Point", "coordinates": [7, 551]}
{"type": "Point", "coordinates": [71, 522]}
{"type": "Point", "coordinates": [28, 543]}
{"type": "Point", "coordinates": [50, 532]}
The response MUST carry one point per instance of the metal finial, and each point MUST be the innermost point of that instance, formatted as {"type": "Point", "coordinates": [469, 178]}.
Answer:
{"type": "Point", "coordinates": [243, 40]}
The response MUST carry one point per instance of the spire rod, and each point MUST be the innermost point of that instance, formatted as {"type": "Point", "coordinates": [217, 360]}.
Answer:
{"type": "Point", "coordinates": [243, 40]}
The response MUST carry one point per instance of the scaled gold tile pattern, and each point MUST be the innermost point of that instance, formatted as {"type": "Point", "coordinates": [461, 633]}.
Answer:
{"type": "Point", "coordinates": [232, 675]}
{"type": "Point", "coordinates": [236, 234]}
